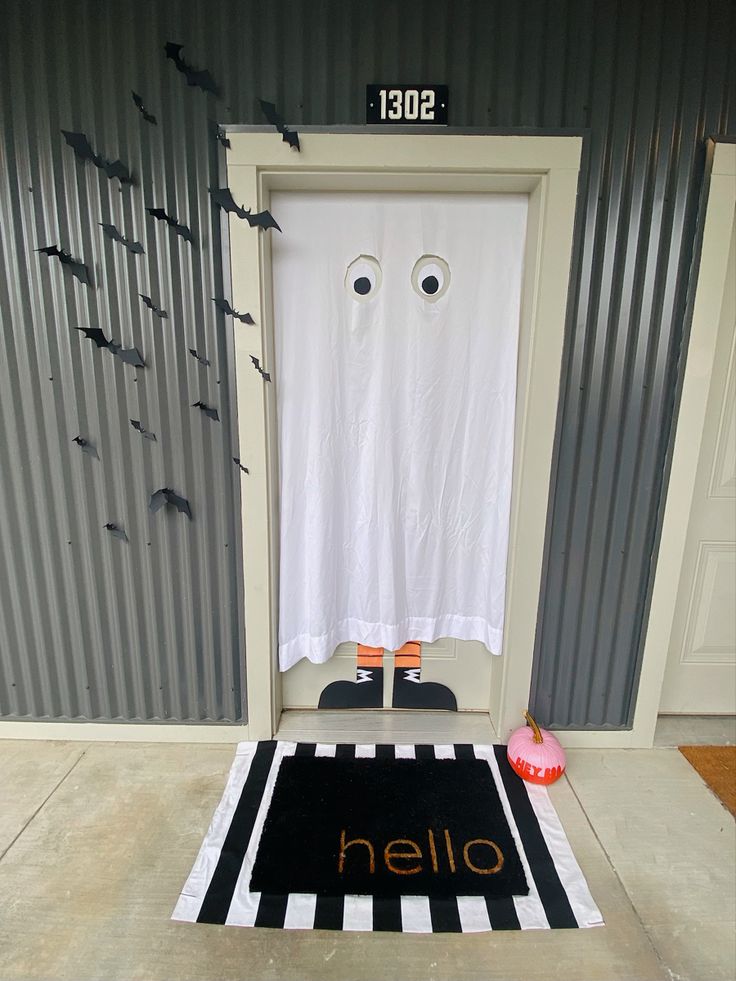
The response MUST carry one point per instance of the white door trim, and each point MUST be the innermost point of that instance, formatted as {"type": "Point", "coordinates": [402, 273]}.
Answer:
{"type": "Point", "coordinates": [545, 167]}
{"type": "Point", "coordinates": [719, 222]}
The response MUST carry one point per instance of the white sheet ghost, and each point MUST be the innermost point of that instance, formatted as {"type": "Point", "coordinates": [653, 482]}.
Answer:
{"type": "Point", "coordinates": [396, 320]}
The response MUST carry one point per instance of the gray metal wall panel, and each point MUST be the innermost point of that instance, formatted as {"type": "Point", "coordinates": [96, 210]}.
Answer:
{"type": "Point", "coordinates": [97, 629]}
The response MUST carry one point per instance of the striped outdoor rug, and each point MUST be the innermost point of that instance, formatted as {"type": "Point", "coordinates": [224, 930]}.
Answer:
{"type": "Point", "coordinates": [218, 888]}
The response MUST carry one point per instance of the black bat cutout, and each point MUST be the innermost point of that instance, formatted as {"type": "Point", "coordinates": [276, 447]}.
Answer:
{"type": "Point", "coordinates": [257, 365]}
{"type": "Point", "coordinates": [149, 118]}
{"type": "Point", "coordinates": [160, 215]}
{"type": "Point", "coordinates": [115, 531]}
{"type": "Point", "coordinates": [199, 357]}
{"type": "Point", "coordinates": [208, 410]}
{"type": "Point", "coordinates": [77, 268]}
{"type": "Point", "coordinates": [218, 134]}
{"type": "Point", "coordinates": [236, 459]}
{"type": "Point", "coordinates": [287, 135]}
{"type": "Point", "coordinates": [129, 355]}
{"type": "Point", "coordinates": [223, 305]}
{"type": "Point", "coordinates": [194, 76]}
{"type": "Point", "coordinates": [157, 311]}
{"type": "Point", "coordinates": [112, 232]}
{"type": "Point", "coordinates": [86, 447]}
{"type": "Point", "coordinates": [94, 334]}
{"type": "Point", "coordinates": [223, 197]}
{"type": "Point", "coordinates": [165, 495]}
{"type": "Point", "coordinates": [136, 424]}
{"type": "Point", "coordinates": [81, 146]}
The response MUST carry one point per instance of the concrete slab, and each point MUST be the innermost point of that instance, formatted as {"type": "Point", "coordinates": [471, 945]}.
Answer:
{"type": "Point", "coordinates": [29, 773]}
{"type": "Point", "coordinates": [673, 845]}
{"type": "Point", "coordinates": [87, 890]}
{"type": "Point", "coordinates": [695, 730]}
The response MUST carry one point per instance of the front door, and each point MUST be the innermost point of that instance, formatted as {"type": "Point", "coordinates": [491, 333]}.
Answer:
{"type": "Point", "coordinates": [700, 675]}
{"type": "Point", "coordinates": [396, 322]}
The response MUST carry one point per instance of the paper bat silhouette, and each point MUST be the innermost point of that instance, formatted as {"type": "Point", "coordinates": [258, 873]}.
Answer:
{"type": "Point", "coordinates": [129, 355]}
{"type": "Point", "coordinates": [81, 146]}
{"type": "Point", "coordinates": [199, 357]}
{"type": "Point", "coordinates": [182, 230]}
{"type": "Point", "coordinates": [115, 531]}
{"type": "Point", "coordinates": [287, 135]}
{"type": "Point", "coordinates": [77, 268]}
{"type": "Point", "coordinates": [223, 197]}
{"type": "Point", "coordinates": [86, 447]}
{"type": "Point", "coordinates": [146, 115]}
{"type": "Point", "coordinates": [136, 424]}
{"type": "Point", "coordinates": [157, 311]}
{"type": "Point", "coordinates": [112, 232]}
{"type": "Point", "coordinates": [223, 305]}
{"type": "Point", "coordinates": [237, 460]}
{"type": "Point", "coordinates": [257, 365]}
{"type": "Point", "coordinates": [94, 334]}
{"type": "Point", "coordinates": [200, 78]}
{"type": "Point", "coordinates": [208, 410]}
{"type": "Point", "coordinates": [218, 134]}
{"type": "Point", "coordinates": [165, 495]}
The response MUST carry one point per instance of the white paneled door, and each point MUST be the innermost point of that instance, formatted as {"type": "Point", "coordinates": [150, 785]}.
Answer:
{"type": "Point", "coordinates": [700, 675]}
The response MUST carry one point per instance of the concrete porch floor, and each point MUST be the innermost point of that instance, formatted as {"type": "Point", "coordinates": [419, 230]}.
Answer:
{"type": "Point", "coordinates": [96, 840]}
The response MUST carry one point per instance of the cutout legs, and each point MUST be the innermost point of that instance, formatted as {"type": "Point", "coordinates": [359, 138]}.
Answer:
{"type": "Point", "coordinates": [367, 689]}
{"type": "Point", "coordinates": [409, 691]}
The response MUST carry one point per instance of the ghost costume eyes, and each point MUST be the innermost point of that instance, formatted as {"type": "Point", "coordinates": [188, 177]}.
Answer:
{"type": "Point", "coordinates": [363, 278]}
{"type": "Point", "coordinates": [430, 277]}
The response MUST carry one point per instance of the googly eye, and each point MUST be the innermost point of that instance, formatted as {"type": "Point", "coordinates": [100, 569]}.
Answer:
{"type": "Point", "coordinates": [363, 278]}
{"type": "Point", "coordinates": [430, 277]}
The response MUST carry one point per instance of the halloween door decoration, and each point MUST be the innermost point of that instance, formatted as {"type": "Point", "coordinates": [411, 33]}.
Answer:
{"type": "Point", "coordinates": [81, 146]}
{"type": "Point", "coordinates": [396, 330]}
{"type": "Point", "coordinates": [112, 232]}
{"type": "Point", "coordinates": [200, 78]}
{"type": "Point", "coordinates": [156, 311]}
{"type": "Point", "coordinates": [223, 198]}
{"type": "Point", "coordinates": [77, 268]}
{"type": "Point", "coordinates": [160, 214]}
{"type": "Point", "coordinates": [149, 117]}
{"type": "Point", "coordinates": [164, 496]}
{"type": "Point", "coordinates": [207, 410]}
{"type": "Point", "coordinates": [86, 447]}
{"type": "Point", "coordinates": [244, 318]}
{"type": "Point", "coordinates": [272, 115]}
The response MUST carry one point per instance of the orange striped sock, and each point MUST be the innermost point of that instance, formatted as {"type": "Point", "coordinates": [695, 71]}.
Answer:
{"type": "Point", "coordinates": [409, 656]}
{"type": "Point", "coordinates": [370, 657]}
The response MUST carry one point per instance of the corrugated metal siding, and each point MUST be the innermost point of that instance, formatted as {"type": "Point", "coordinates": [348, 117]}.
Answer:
{"type": "Point", "coordinates": [98, 629]}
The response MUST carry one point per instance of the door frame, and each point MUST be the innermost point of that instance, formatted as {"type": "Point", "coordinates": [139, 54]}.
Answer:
{"type": "Point", "coordinates": [720, 216]}
{"type": "Point", "coordinates": [544, 167]}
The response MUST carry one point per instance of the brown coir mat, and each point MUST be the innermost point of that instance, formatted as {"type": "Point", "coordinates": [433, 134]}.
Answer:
{"type": "Point", "coordinates": [717, 766]}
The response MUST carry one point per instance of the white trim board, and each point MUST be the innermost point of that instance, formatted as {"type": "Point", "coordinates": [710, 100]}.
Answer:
{"type": "Point", "coordinates": [544, 167]}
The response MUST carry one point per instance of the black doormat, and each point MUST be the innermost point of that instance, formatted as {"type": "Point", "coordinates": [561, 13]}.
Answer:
{"type": "Point", "coordinates": [221, 888]}
{"type": "Point", "coordinates": [386, 828]}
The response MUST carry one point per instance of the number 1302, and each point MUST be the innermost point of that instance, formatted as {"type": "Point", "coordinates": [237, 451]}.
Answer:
{"type": "Point", "coordinates": [407, 104]}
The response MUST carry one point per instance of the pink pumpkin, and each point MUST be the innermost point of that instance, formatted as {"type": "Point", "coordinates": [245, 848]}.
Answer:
{"type": "Point", "coordinates": [535, 754]}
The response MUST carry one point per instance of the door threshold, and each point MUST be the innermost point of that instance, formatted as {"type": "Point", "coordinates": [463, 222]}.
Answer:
{"type": "Point", "coordinates": [384, 726]}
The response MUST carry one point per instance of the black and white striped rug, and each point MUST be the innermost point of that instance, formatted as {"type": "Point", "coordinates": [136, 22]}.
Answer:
{"type": "Point", "coordinates": [218, 888]}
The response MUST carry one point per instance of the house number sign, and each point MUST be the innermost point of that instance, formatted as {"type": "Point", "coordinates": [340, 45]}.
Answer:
{"type": "Point", "coordinates": [421, 104]}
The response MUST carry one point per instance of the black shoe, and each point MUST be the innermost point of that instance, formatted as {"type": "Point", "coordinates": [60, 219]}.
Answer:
{"type": "Point", "coordinates": [365, 693]}
{"type": "Point", "coordinates": [411, 693]}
